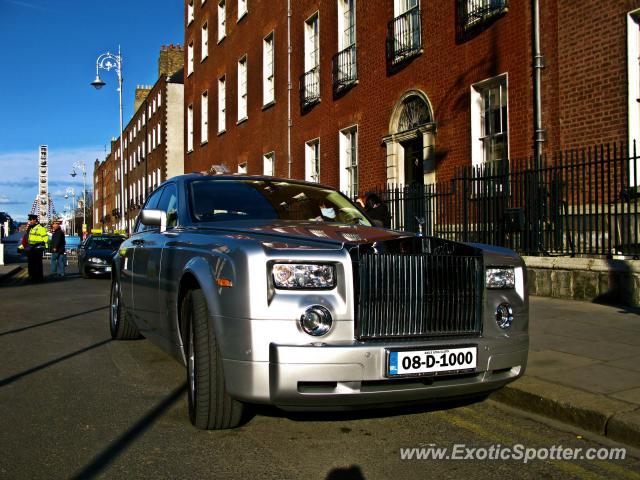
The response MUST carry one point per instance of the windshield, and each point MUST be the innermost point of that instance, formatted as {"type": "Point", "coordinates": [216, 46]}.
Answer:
{"type": "Point", "coordinates": [103, 243]}
{"type": "Point", "coordinates": [246, 199]}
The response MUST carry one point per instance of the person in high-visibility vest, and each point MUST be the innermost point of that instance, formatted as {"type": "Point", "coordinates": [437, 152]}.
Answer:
{"type": "Point", "coordinates": [34, 243]}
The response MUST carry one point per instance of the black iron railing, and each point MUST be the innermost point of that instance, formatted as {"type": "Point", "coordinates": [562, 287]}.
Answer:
{"type": "Point", "coordinates": [310, 87]}
{"type": "Point", "coordinates": [419, 295]}
{"type": "Point", "coordinates": [472, 13]}
{"type": "Point", "coordinates": [581, 203]}
{"type": "Point", "coordinates": [404, 37]}
{"type": "Point", "coordinates": [345, 69]}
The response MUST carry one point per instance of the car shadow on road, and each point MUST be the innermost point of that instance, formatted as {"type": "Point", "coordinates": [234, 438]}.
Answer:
{"type": "Point", "coordinates": [48, 322]}
{"type": "Point", "coordinates": [383, 411]}
{"type": "Point", "coordinates": [104, 459]}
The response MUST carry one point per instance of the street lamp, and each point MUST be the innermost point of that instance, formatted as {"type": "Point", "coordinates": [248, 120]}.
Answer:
{"type": "Point", "coordinates": [108, 61]}
{"type": "Point", "coordinates": [83, 168]}
{"type": "Point", "coordinates": [72, 192]}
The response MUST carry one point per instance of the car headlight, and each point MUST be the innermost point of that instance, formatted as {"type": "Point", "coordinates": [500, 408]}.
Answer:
{"type": "Point", "coordinates": [97, 260]}
{"type": "Point", "coordinates": [500, 277]}
{"type": "Point", "coordinates": [303, 275]}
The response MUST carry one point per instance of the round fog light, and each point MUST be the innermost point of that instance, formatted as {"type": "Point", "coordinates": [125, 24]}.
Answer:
{"type": "Point", "coordinates": [316, 320]}
{"type": "Point", "coordinates": [504, 315]}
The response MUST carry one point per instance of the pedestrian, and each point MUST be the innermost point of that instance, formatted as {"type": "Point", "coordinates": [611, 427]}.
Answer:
{"type": "Point", "coordinates": [34, 243]}
{"type": "Point", "coordinates": [58, 246]}
{"type": "Point", "coordinates": [377, 211]}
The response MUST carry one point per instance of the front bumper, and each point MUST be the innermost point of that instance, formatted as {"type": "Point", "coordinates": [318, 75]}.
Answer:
{"type": "Point", "coordinates": [335, 377]}
{"type": "Point", "coordinates": [97, 268]}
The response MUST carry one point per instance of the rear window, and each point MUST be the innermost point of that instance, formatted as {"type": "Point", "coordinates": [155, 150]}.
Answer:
{"type": "Point", "coordinates": [104, 243]}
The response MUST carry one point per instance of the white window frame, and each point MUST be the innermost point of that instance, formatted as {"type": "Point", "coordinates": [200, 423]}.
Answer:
{"type": "Point", "coordinates": [242, 167]}
{"type": "Point", "coordinates": [349, 171]}
{"type": "Point", "coordinates": [190, 12]}
{"type": "Point", "coordinates": [312, 159]}
{"type": "Point", "coordinates": [242, 89]}
{"type": "Point", "coordinates": [268, 163]}
{"type": "Point", "coordinates": [190, 59]}
{"type": "Point", "coordinates": [268, 68]}
{"type": "Point", "coordinates": [159, 134]}
{"type": "Point", "coordinates": [190, 128]}
{"type": "Point", "coordinates": [222, 104]}
{"type": "Point", "coordinates": [312, 42]}
{"type": "Point", "coordinates": [204, 41]}
{"type": "Point", "coordinates": [204, 117]}
{"type": "Point", "coordinates": [403, 6]}
{"type": "Point", "coordinates": [633, 74]}
{"type": "Point", "coordinates": [222, 20]}
{"type": "Point", "coordinates": [346, 31]}
{"type": "Point", "coordinates": [478, 136]}
{"type": "Point", "coordinates": [242, 9]}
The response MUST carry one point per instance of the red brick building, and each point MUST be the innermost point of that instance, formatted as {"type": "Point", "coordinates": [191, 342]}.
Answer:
{"type": "Point", "coordinates": [358, 94]}
{"type": "Point", "coordinates": [153, 145]}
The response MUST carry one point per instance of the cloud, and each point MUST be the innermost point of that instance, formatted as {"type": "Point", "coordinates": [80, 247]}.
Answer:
{"type": "Point", "coordinates": [4, 200]}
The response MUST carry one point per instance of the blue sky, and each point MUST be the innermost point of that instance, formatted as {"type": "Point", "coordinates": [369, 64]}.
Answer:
{"type": "Point", "coordinates": [47, 60]}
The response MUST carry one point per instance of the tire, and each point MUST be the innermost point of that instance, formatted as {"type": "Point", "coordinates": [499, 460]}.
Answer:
{"type": "Point", "coordinates": [120, 326]}
{"type": "Point", "coordinates": [210, 406]}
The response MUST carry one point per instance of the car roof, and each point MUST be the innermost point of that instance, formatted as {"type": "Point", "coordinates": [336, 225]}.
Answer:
{"type": "Point", "coordinates": [242, 176]}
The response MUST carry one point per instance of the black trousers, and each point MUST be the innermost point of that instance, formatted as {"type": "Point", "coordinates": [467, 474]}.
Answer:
{"type": "Point", "coordinates": [34, 259]}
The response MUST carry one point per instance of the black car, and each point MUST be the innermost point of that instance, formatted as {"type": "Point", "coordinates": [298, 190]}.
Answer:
{"type": "Point", "coordinates": [96, 253]}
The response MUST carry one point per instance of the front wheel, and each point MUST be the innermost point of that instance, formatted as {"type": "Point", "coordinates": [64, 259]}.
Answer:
{"type": "Point", "coordinates": [210, 406]}
{"type": "Point", "coordinates": [120, 326]}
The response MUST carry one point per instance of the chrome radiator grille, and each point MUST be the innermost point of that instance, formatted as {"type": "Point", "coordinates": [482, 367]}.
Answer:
{"type": "Point", "coordinates": [418, 295]}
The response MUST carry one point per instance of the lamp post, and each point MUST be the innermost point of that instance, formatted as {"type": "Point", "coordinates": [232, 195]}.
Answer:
{"type": "Point", "coordinates": [108, 61]}
{"type": "Point", "coordinates": [83, 169]}
{"type": "Point", "coordinates": [72, 192]}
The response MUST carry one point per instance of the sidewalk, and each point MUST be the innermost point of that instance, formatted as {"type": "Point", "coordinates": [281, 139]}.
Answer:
{"type": "Point", "coordinates": [584, 367]}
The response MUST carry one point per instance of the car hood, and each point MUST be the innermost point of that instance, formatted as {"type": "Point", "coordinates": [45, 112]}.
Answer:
{"type": "Point", "coordinates": [100, 253]}
{"type": "Point", "coordinates": [282, 233]}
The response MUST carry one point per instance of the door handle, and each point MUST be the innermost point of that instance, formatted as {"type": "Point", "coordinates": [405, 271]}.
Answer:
{"type": "Point", "coordinates": [137, 242]}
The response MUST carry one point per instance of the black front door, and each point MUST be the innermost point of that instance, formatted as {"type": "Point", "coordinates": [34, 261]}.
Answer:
{"type": "Point", "coordinates": [414, 183]}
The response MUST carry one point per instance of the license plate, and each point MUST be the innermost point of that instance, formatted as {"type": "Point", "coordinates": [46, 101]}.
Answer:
{"type": "Point", "coordinates": [434, 362]}
{"type": "Point", "coordinates": [107, 269]}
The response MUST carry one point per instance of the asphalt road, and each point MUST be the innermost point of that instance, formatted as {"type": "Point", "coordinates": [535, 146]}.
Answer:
{"type": "Point", "coordinates": [75, 404]}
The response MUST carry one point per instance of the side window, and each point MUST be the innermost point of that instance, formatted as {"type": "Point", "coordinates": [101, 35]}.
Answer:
{"type": "Point", "coordinates": [169, 203]}
{"type": "Point", "coordinates": [151, 204]}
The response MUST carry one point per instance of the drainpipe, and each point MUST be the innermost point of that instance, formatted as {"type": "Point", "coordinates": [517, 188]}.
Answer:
{"type": "Point", "coordinates": [538, 65]}
{"type": "Point", "coordinates": [289, 88]}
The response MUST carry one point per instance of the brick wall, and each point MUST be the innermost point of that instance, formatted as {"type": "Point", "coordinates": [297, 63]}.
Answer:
{"type": "Point", "coordinates": [171, 60]}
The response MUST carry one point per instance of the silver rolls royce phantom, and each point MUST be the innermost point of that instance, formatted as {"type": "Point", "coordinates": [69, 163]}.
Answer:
{"type": "Point", "coordinates": [281, 292]}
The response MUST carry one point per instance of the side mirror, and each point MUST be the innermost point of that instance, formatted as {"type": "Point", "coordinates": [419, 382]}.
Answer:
{"type": "Point", "coordinates": [154, 218]}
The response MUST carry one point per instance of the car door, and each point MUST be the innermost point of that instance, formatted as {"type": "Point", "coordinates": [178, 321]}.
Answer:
{"type": "Point", "coordinates": [146, 266]}
{"type": "Point", "coordinates": [132, 272]}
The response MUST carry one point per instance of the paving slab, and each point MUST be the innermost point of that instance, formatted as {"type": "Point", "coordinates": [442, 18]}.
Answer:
{"type": "Point", "coordinates": [631, 396]}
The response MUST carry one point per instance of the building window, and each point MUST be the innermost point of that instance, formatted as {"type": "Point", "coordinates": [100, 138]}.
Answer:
{"type": "Point", "coordinates": [242, 89]}
{"type": "Point", "coordinates": [349, 161]}
{"type": "Point", "coordinates": [267, 70]}
{"type": "Point", "coordinates": [312, 161]}
{"type": "Point", "coordinates": [345, 73]}
{"type": "Point", "coordinates": [190, 59]}
{"type": "Point", "coordinates": [310, 80]}
{"type": "Point", "coordinates": [268, 161]}
{"type": "Point", "coordinates": [159, 134]}
{"type": "Point", "coordinates": [489, 121]}
{"type": "Point", "coordinates": [242, 8]}
{"type": "Point", "coordinates": [242, 167]}
{"type": "Point", "coordinates": [222, 20]}
{"type": "Point", "coordinates": [404, 34]}
{"type": "Point", "coordinates": [204, 41]}
{"type": "Point", "coordinates": [204, 117]}
{"type": "Point", "coordinates": [189, 12]}
{"type": "Point", "coordinates": [190, 128]}
{"type": "Point", "coordinates": [222, 108]}
{"type": "Point", "coordinates": [476, 12]}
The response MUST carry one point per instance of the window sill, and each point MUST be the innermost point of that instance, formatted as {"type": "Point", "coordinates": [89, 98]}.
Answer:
{"type": "Point", "coordinates": [220, 39]}
{"type": "Point", "coordinates": [267, 106]}
{"type": "Point", "coordinates": [189, 151]}
{"type": "Point", "coordinates": [203, 59]}
{"type": "Point", "coordinates": [244, 14]}
{"type": "Point", "coordinates": [220, 132]}
{"type": "Point", "coordinates": [203, 143]}
{"type": "Point", "coordinates": [242, 120]}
